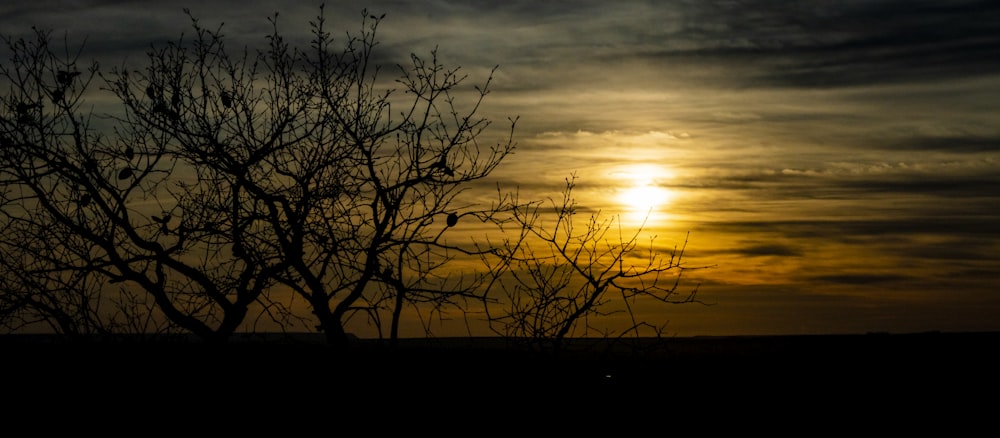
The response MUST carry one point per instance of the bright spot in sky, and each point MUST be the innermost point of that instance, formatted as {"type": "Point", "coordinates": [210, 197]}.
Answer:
{"type": "Point", "coordinates": [643, 192]}
{"type": "Point", "coordinates": [643, 198]}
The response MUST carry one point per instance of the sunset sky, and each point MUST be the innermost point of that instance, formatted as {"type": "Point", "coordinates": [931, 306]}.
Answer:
{"type": "Point", "coordinates": [837, 162]}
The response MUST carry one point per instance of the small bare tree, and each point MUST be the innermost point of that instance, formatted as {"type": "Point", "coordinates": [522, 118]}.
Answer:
{"type": "Point", "coordinates": [552, 278]}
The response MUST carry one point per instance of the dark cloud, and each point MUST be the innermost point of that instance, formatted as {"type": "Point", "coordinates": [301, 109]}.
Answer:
{"type": "Point", "coordinates": [952, 187]}
{"type": "Point", "coordinates": [859, 279]}
{"type": "Point", "coordinates": [854, 230]}
{"type": "Point", "coordinates": [966, 144]}
{"type": "Point", "coordinates": [757, 42]}
{"type": "Point", "coordinates": [951, 249]}
{"type": "Point", "coordinates": [980, 189]}
{"type": "Point", "coordinates": [761, 250]}
{"type": "Point", "coordinates": [978, 273]}
{"type": "Point", "coordinates": [820, 44]}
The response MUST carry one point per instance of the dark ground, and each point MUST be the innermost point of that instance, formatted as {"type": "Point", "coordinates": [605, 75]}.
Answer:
{"type": "Point", "coordinates": [919, 376]}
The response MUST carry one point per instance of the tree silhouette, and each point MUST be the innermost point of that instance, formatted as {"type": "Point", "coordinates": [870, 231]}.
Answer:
{"type": "Point", "coordinates": [554, 277]}
{"type": "Point", "coordinates": [228, 187]}
{"type": "Point", "coordinates": [230, 176]}
{"type": "Point", "coordinates": [91, 213]}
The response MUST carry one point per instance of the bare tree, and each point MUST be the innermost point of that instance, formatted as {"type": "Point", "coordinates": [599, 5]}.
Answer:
{"type": "Point", "coordinates": [553, 278]}
{"type": "Point", "coordinates": [230, 184]}
{"type": "Point", "coordinates": [92, 211]}
{"type": "Point", "coordinates": [227, 177]}
{"type": "Point", "coordinates": [66, 306]}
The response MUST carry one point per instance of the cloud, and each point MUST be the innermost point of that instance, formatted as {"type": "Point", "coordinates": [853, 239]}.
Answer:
{"type": "Point", "coordinates": [866, 228]}
{"type": "Point", "coordinates": [963, 144]}
{"type": "Point", "coordinates": [859, 279]}
{"type": "Point", "coordinates": [813, 45]}
{"type": "Point", "coordinates": [768, 249]}
{"type": "Point", "coordinates": [797, 44]}
{"type": "Point", "coordinates": [955, 249]}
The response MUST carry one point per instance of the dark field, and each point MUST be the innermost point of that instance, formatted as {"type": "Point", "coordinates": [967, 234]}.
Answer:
{"type": "Point", "coordinates": [925, 373]}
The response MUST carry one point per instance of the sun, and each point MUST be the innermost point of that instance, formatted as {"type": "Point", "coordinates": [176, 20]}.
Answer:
{"type": "Point", "coordinates": [643, 196]}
